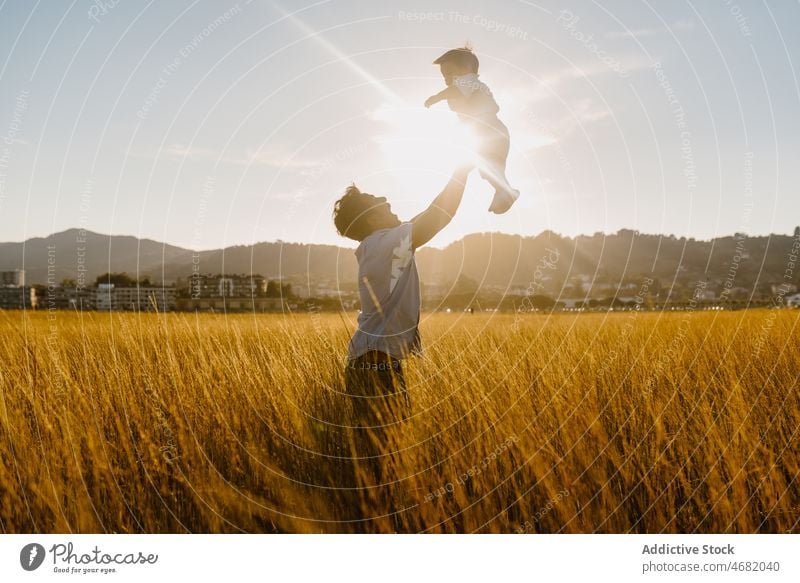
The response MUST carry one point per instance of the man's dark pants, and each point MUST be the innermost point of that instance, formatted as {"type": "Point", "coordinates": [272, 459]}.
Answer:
{"type": "Point", "coordinates": [377, 387]}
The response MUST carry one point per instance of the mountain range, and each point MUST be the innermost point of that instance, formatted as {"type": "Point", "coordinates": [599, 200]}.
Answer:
{"type": "Point", "coordinates": [488, 259]}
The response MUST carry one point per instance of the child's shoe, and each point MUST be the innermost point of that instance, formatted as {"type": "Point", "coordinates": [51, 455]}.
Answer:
{"type": "Point", "coordinates": [502, 201]}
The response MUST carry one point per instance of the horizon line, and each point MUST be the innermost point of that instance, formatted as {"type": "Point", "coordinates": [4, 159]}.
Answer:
{"type": "Point", "coordinates": [282, 242]}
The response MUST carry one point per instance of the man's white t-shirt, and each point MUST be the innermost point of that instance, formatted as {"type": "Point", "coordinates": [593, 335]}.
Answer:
{"type": "Point", "coordinates": [388, 286]}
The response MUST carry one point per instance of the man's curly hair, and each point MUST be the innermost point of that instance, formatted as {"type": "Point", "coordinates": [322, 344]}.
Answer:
{"type": "Point", "coordinates": [350, 213]}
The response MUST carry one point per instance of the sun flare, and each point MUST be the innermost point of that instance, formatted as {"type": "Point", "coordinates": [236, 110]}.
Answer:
{"type": "Point", "coordinates": [422, 144]}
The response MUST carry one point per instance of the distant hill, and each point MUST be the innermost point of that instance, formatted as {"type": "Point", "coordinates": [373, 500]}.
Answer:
{"type": "Point", "coordinates": [497, 259]}
{"type": "Point", "coordinates": [100, 254]}
{"type": "Point", "coordinates": [490, 259]}
{"type": "Point", "coordinates": [162, 262]}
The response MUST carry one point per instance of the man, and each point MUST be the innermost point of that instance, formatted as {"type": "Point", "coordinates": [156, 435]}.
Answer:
{"type": "Point", "coordinates": [389, 290]}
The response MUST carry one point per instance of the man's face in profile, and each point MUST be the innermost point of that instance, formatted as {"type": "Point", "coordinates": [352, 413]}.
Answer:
{"type": "Point", "coordinates": [379, 211]}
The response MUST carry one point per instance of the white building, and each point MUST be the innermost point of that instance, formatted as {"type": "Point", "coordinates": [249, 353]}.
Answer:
{"type": "Point", "coordinates": [783, 288]}
{"type": "Point", "coordinates": [109, 297]}
{"type": "Point", "coordinates": [17, 297]}
{"type": "Point", "coordinates": [227, 286]}
{"type": "Point", "coordinates": [15, 278]}
{"type": "Point", "coordinates": [706, 295]}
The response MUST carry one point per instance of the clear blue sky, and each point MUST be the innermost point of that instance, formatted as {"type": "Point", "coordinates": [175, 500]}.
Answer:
{"type": "Point", "coordinates": [207, 124]}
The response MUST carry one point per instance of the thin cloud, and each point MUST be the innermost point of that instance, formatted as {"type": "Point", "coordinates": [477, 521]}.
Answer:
{"type": "Point", "coordinates": [273, 158]}
{"type": "Point", "coordinates": [632, 33]}
{"type": "Point", "coordinates": [584, 112]}
{"type": "Point", "coordinates": [645, 32]}
{"type": "Point", "coordinates": [552, 85]}
{"type": "Point", "coordinates": [683, 25]}
{"type": "Point", "coordinates": [597, 69]}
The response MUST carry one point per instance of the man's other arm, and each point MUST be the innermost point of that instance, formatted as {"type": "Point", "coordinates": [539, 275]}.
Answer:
{"type": "Point", "coordinates": [436, 217]}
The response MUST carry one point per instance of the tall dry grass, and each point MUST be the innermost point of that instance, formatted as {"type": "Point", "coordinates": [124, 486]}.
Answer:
{"type": "Point", "coordinates": [634, 422]}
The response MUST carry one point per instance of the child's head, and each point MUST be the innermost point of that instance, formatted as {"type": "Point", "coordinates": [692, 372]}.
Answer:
{"type": "Point", "coordinates": [457, 62]}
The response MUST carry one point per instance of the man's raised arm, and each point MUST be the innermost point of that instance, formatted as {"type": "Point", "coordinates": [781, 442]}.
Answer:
{"type": "Point", "coordinates": [438, 214]}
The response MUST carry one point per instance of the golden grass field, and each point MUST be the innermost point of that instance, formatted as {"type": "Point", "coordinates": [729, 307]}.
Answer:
{"type": "Point", "coordinates": [576, 423]}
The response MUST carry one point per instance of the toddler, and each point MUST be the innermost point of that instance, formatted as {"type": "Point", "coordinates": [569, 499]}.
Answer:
{"type": "Point", "coordinates": [473, 102]}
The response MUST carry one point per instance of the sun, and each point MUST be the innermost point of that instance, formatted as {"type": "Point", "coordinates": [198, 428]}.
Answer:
{"type": "Point", "coordinates": [421, 145]}
{"type": "Point", "coordinates": [421, 148]}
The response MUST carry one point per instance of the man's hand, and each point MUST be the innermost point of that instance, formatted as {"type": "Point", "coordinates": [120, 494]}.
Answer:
{"type": "Point", "coordinates": [432, 100]}
{"type": "Point", "coordinates": [433, 219]}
